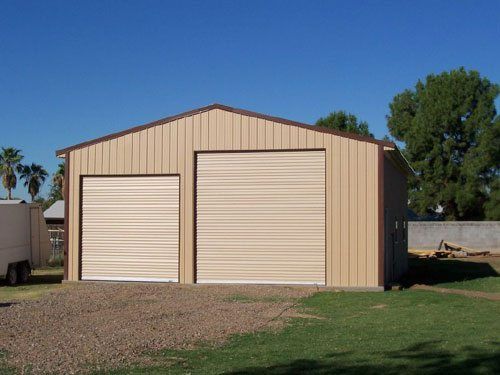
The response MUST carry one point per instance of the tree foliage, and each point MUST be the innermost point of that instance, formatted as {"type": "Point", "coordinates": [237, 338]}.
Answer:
{"type": "Point", "coordinates": [452, 140]}
{"type": "Point", "coordinates": [57, 187]}
{"type": "Point", "coordinates": [10, 164]}
{"type": "Point", "coordinates": [34, 176]}
{"type": "Point", "coordinates": [347, 122]}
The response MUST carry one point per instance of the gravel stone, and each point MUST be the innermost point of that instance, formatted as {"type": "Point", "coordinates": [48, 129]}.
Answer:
{"type": "Point", "coordinates": [90, 326]}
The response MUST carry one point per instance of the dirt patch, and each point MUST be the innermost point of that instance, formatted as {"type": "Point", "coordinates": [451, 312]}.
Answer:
{"type": "Point", "coordinates": [380, 306]}
{"type": "Point", "coordinates": [105, 325]}
{"type": "Point", "coordinates": [467, 293]}
{"type": "Point", "coordinates": [296, 314]}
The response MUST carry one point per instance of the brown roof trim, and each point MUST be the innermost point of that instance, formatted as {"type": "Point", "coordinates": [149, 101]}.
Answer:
{"type": "Point", "coordinates": [228, 109]}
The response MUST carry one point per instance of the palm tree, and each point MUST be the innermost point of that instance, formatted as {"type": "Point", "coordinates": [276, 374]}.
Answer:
{"type": "Point", "coordinates": [58, 180]}
{"type": "Point", "coordinates": [10, 163]}
{"type": "Point", "coordinates": [34, 176]}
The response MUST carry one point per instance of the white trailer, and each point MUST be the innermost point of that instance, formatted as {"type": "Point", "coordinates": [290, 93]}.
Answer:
{"type": "Point", "coordinates": [24, 241]}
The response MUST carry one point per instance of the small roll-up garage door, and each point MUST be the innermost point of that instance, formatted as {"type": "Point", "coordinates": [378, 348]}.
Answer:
{"type": "Point", "coordinates": [130, 228]}
{"type": "Point", "coordinates": [261, 217]}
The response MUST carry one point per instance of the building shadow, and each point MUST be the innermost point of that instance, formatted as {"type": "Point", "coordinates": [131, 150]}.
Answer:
{"type": "Point", "coordinates": [425, 358]}
{"type": "Point", "coordinates": [437, 271]}
{"type": "Point", "coordinates": [35, 279]}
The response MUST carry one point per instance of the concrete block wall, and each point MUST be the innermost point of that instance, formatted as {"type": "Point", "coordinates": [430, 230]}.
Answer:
{"type": "Point", "coordinates": [480, 235]}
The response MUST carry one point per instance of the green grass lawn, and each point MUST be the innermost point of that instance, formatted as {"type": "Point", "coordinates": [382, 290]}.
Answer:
{"type": "Point", "coordinates": [41, 281]}
{"type": "Point", "coordinates": [412, 332]}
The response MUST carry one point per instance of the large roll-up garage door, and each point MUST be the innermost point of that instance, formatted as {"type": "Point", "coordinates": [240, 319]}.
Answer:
{"type": "Point", "coordinates": [130, 228]}
{"type": "Point", "coordinates": [261, 217]}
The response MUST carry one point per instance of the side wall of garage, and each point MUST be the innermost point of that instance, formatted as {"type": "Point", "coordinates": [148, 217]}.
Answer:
{"type": "Point", "coordinates": [396, 222]}
{"type": "Point", "coordinates": [352, 182]}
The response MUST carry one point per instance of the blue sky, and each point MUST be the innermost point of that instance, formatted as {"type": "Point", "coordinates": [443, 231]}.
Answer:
{"type": "Point", "coordinates": [71, 71]}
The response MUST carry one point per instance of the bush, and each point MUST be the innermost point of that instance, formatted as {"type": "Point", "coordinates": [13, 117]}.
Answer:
{"type": "Point", "coordinates": [56, 261]}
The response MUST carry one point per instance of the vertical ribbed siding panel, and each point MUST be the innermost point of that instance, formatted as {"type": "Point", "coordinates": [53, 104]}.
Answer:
{"type": "Point", "coordinates": [245, 133]}
{"type": "Point", "coordinates": [91, 159]}
{"type": "Point", "coordinates": [165, 161]}
{"type": "Point", "coordinates": [130, 236]}
{"type": "Point", "coordinates": [150, 164]}
{"type": "Point", "coordinates": [328, 213]}
{"type": "Point", "coordinates": [173, 147]}
{"type": "Point", "coordinates": [84, 159]}
{"type": "Point", "coordinates": [212, 129]}
{"type": "Point", "coordinates": [181, 145]}
{"type": "Point", "coordinates": [371, 212]}
{"type": "Point", "coordinates": [310, 139]}
{"type": "Point", "coordinates": [253, 134]}
{"type": "Point", "coordinates": [143, 152]}
{"type": "Point", "coordinates": [127, 153]}
{"type": "Point", "coordinates": [285, 137]}
{"type": "Point", "coordinates": [120, 156]}
{"type": "Point", "coordinates": [335, 214]}
{"type": "Point", "coordinates": [294, 137]}
{"type": "Point", "coordinates": [228, 130]}
{"type": "Point", "coordinates": [261, 134]}
{"type": "Point", "coordinates": [197, 132]}
{"type": "Point", "coordinates": [158, 139]}
{"type": "Point", "coordinates": [98, 158]}
{"type": "Point", "coordinates": [302, 138]}
{"type": "Point", "coordinates": [204, 131]}
{"type": "Point", "coordinates": [261, 217]}
{"type": "Point", "coordinates": [353, 213]}
{"type": "Point", "coordinates": [269, 135]}
{"type": "Point", "coordinates": [344, 212]}
{"type": "Point", "coordinates": [136, 152]}
{"type": "Point", "coordinates": [277, 139]}
{"type": "Point", "coordinates": [187, 272]}
{"type": "Point", "coordinates": [112, 156]}
{"type": "Point", "coordinates": [236, 126]}
{"type": "Point", "coordinates": [361, 250]}
{"type": "Point", "coordinates": [105, 157]}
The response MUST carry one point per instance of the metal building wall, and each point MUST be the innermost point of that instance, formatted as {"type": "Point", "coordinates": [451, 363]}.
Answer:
{"type": "Point", "coordinates": [352, 180]}
{"type": "Point", "coordinates": [396, 223]}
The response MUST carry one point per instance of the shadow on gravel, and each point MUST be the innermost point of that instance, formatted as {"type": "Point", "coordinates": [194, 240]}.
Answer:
{"type": "Point", "coordinates": [6, 304]}
{"type": "Point", "coordinates": [437, 271]}
{"type": "Point", "coordinates": [37, 280]}
{"type": "Point", "coordinates": [423, 358]}
{"type": "Point", "coordinates": [45, 279]}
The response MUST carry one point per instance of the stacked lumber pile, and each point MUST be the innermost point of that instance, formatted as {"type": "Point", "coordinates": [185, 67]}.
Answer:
{"type": "Point", "coordinates": [451, 250]}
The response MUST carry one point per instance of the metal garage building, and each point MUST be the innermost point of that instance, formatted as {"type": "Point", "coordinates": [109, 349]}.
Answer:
{"type": "Point", "coordinates": [224, 195]}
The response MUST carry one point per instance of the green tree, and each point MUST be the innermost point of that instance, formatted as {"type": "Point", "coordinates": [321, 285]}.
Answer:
{"type": "Point", "coordinates": [57, 187]}
{"type": "Point", "coordinates": [10, 163]}
{"type": "Point", "coordinates": [34, 176]}
{"type": "Point", "coordinates": [452, 142]}
{"type": "Point", "coordinates": [492, 206]}
{"type": "Point", "coordinates": [347, 122]}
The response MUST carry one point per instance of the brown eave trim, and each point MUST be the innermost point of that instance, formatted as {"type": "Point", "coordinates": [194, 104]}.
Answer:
{"type": "Point", "coordinates": [66, 213]}
{"type": "Point", "coordinates": [381, 219]}
{"type": "Point", "coordinates": [228, 109]}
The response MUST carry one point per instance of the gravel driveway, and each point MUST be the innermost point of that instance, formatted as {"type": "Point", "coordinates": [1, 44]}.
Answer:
{"type": "Point", "coordinates": [90, 326]}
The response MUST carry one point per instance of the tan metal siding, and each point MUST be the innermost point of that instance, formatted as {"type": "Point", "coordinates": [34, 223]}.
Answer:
{"type": "Point", "coordinates": [261, 217]}
{"type": "Point", "coordinates": [130, 228]}
{"type": "Point", "coordinates": [204, 136]}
